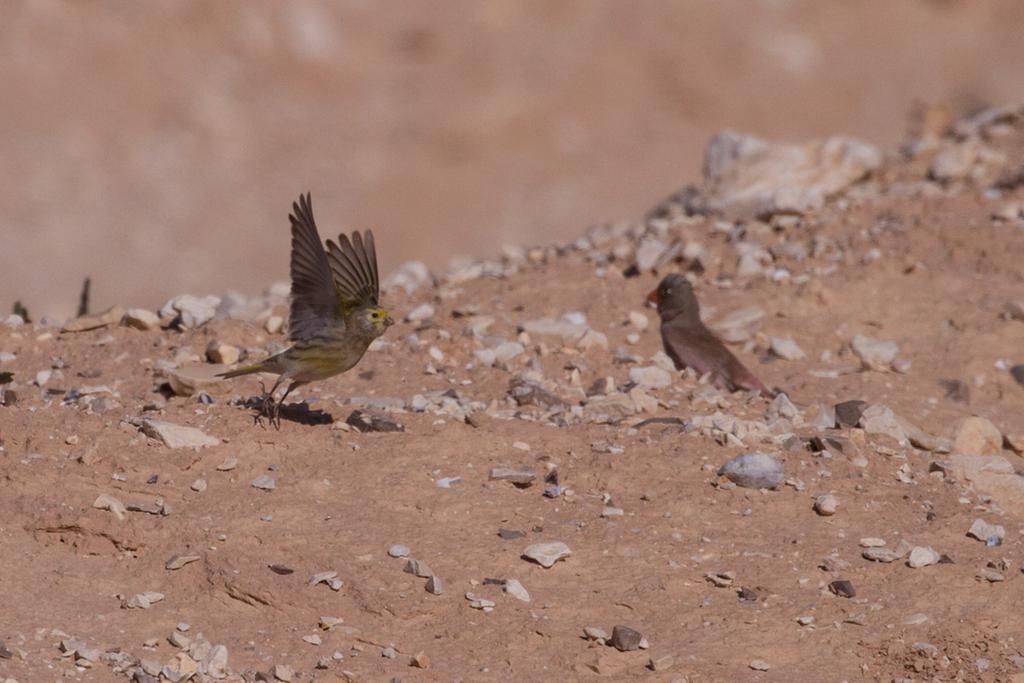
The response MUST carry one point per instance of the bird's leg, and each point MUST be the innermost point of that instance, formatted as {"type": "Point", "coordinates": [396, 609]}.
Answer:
{"type": "Point", "coordinates": [277, 407]}
{"type": "Point", "coordinates": [267, 401]}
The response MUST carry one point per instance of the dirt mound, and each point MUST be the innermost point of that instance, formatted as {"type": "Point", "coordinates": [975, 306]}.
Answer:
{"type": "Point", "coordinates": [899, 287]}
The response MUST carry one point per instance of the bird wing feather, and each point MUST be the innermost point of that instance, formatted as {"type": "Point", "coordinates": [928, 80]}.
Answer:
{"type": "Point", "coordinates": [314, 300]}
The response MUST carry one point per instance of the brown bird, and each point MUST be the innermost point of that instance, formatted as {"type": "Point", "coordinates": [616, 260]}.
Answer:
{"type": "Point", "coordinates": [692, 345]}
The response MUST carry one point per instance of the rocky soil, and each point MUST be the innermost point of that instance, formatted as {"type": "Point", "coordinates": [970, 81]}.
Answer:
{"type": "Point", "coordinates": [515, 484]}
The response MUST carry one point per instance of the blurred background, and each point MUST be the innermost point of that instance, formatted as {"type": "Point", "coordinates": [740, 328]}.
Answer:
{"type": "Point", "coordinates": [157, 146]}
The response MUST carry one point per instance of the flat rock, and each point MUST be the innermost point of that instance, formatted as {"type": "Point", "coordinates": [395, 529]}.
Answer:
{"type": "Point", "coordinates": [746, 177]}
{"type": "Point", "coordinates": [398, 550]}
{"type": "Point", "coordinates": [516, 590]}
{"type": "Point", "coordinates": [111, 316]}
{"type": "Point", "coordinates": [193, 379]}
{"type": "Point", "coordinates": [520, 477]}
{"type": "Point", "coordinates": [875, 354]}
{"type": "Point", "coordinates": [568, 331]}
{"type": "Point", "coordinates": [754, 470]}
{"type": "Point", "coordinates": [547, 554]}
{"type": "Point", "coordinates": [879, 554]}
{"type": "Point", "coordinates": [366, 421]}
{"type": "Point", "coordinates": [177, 436]}
{"type": "Point", "coordinates": [176, 562]}
{"type": "Point", "coordinates": [264, 483]}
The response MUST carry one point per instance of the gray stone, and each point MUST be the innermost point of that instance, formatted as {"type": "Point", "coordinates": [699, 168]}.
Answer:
{"type": "Point", "coordinates": [264, 482]}
{"type": "Point", "coordinates": [398, 550]}
{"type": "Point", "coordinates": [990, 534]}
{"type": "Point", "coordinates": [434, 585]}
{"type": "Point", "coordinates": [754, 470]}
{"type": "Point", "coordinates": [418, 568]}
{"type": "Point", "coordinates": [922, 556]}
{"type": "Point", "coordinates": [826, 505]}
{"type": "Point", "coordinates": [879, 419]}
{"type": "Point", "coordinates": [625, 639]}
{"type": "Point", "coordinates": [520, 477]}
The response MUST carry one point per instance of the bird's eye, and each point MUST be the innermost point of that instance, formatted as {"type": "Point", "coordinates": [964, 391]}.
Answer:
{"type": "Point", "coordinates": [375, 314]}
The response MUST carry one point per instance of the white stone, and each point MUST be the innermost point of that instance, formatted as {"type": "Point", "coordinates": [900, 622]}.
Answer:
{"type": "Point", "coordinates": [922, 556]}
{"type": "Point", "coordinates": [191, 310]}
{"type": "Point", "coordinates": [546, 554]}
{"type": "Point", "coordinates": [874, 353]}
{"type": "Point", "coordinates": [786, 349]}
{"type": "Point", "coordinates": [516, 590]}
{"type": "Point", "coordinates": [650, 376]}
{"type": "Point", "coordinates": [420, 313]}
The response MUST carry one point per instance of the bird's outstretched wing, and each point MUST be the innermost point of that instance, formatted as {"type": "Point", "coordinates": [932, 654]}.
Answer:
{"type": "Point", "coordinates": [354, 267]}
{"type": "Point", "coordinates": [314, 299]}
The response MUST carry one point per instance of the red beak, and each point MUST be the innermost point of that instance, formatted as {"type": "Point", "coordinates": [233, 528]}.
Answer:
{"type": "Point", "coordinates": [653, 297]}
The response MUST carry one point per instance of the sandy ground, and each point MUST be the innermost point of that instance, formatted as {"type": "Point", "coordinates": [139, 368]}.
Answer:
{"type": "Point", "coordinates": [926, 267]}
{"type": "Point", "coordinates": [169, 140]}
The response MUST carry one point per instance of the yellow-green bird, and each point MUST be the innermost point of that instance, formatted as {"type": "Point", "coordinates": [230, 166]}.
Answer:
{"type": "Point", "coordinates": [335, 308]}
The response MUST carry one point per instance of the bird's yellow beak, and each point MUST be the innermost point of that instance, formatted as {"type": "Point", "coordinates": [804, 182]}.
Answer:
{"type": "Point", "coordinates": [388, 320]}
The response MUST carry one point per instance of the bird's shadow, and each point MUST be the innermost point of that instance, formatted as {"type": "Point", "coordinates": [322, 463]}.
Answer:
{"type": "Point", "coordinates": [300, 413]}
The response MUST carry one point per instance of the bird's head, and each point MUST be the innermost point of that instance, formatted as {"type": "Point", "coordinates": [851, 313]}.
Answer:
{"type": "Point", "coordinates": [674, 296]}
{"type": "Point", "coordinates": [374, 320]}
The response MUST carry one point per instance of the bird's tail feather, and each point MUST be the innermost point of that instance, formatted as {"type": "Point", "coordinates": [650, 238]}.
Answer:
{"type": "Point", "coordinates": [244, 370]}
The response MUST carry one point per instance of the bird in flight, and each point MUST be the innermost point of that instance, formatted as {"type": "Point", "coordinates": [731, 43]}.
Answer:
{"type": "Point", "coordinates": [335, 309]}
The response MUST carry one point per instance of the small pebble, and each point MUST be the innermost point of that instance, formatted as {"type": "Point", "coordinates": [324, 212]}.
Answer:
{"type": "Point", "coordinates": [398, 550]}
{"type": "Point", "coordinates": [826, 505]}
